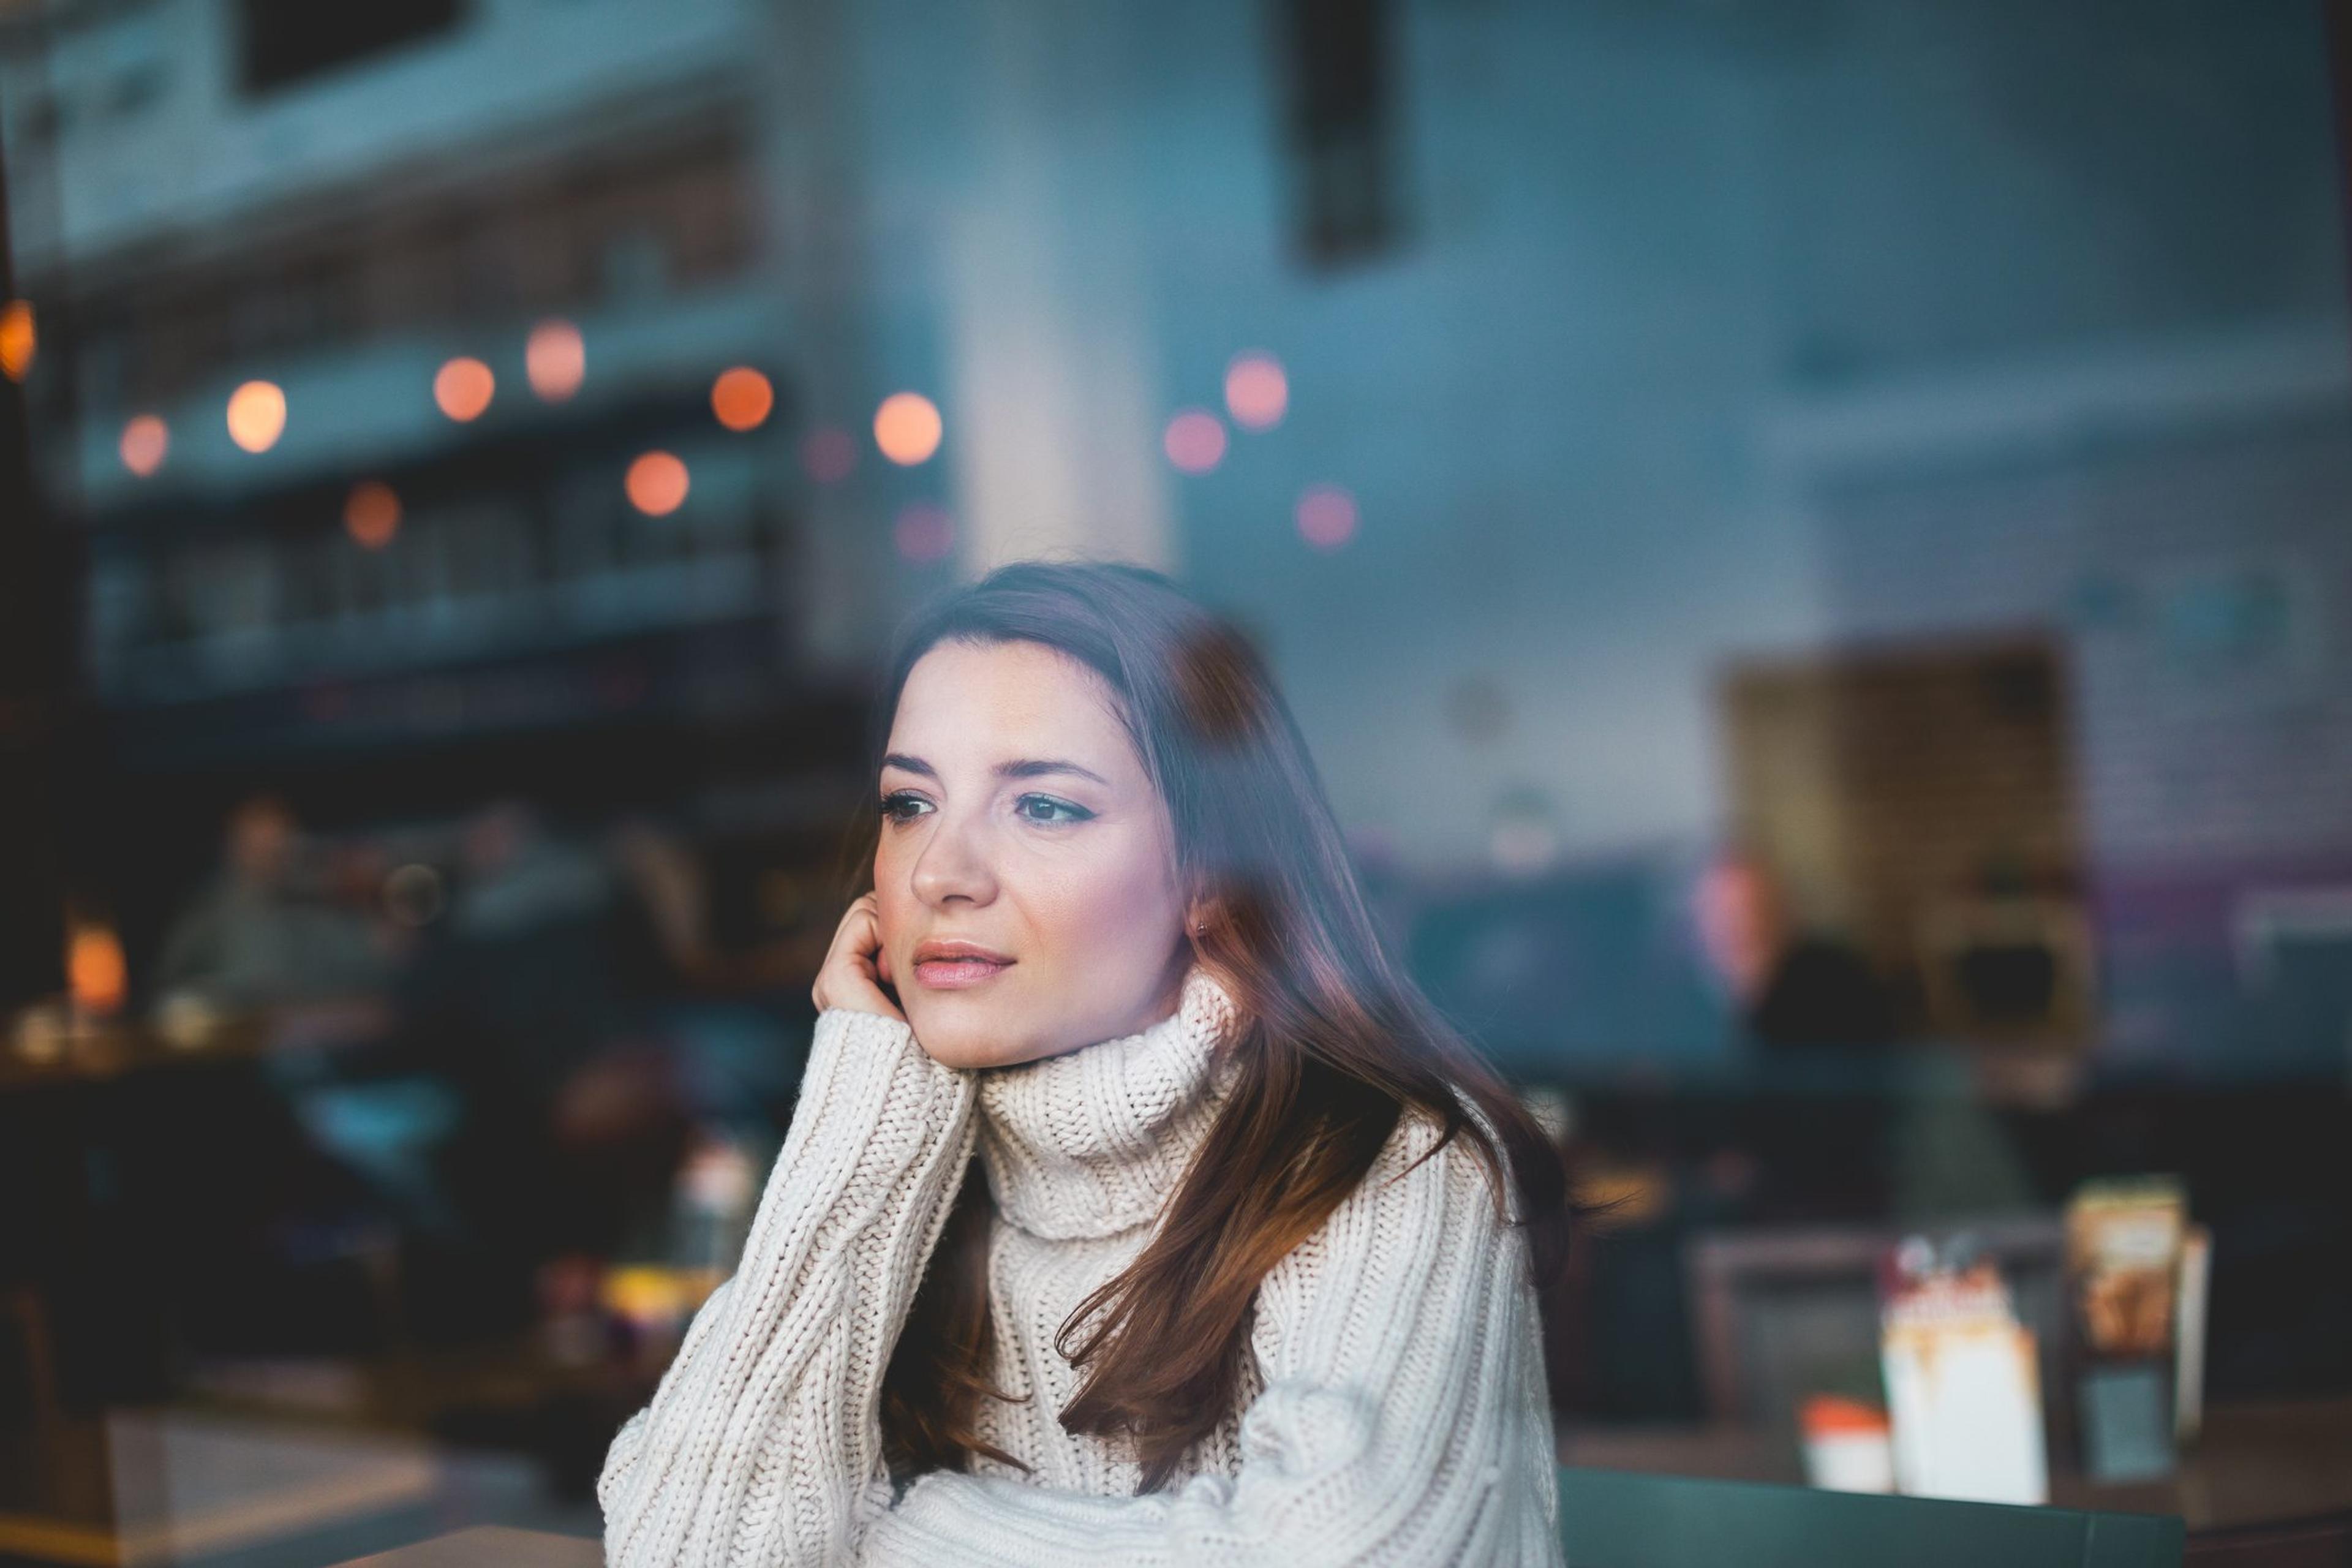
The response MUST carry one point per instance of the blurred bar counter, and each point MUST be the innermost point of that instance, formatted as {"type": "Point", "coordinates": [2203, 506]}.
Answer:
{"type": "Point", "coordinates": [2257, 1466]}
{"type": "Point", "coordinates": [50, 1046]}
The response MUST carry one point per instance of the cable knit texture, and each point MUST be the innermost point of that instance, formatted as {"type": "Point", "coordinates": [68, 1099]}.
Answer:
{"type": "Point", "coordinates": [1392, 1409]}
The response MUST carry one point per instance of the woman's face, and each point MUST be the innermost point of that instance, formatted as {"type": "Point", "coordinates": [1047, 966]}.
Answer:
{"type": "Point", "coordinates": [1026, 876]}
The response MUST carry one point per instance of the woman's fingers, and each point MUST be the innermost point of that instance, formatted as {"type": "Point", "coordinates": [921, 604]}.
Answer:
{"type": "Point", "coordinates": [855, 970]}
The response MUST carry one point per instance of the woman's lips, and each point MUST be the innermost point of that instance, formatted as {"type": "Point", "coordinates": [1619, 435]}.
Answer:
{"type": "Point", "coordinates": [958, 974]}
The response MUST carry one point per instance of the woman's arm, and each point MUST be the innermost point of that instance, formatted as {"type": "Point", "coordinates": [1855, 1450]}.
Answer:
{"type": "Point", "coordinates": [762, 1445]}
{"type": "Point", "coordinates": [1404, 1418]}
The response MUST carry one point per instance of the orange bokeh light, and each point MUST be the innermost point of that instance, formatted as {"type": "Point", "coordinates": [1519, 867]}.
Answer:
{"type": "Point", "coordinates": [1257, 392]}
{"type": "Point", "coordinates": [657, 484]}
{"type": "Point", "coordinates": [19, 339]}
{"type": "Point", "coordinates": [95, 971]}
{"type": "Point", "coordinates": [555, 359]}
{"type": "Point", "coordinates": [463, 387]}
{"type": "Point", "coordinates": [146, 441]}
{"type": "Point", "coordinates": [372, 514]}
{"type": "Point", "coordinates": [257, 415]}
{"type": "Point", "coordinates": [908, 428]}
{"type": "Point", "coordinates": [741, 398]}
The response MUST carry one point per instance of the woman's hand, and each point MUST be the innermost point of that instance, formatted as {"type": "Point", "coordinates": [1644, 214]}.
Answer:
{"type": "Point", "coordinates": [856, 968]}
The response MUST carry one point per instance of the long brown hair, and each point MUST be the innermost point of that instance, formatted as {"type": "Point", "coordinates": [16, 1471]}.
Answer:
{"type": "Point", "coordinates": [1336, 1043]}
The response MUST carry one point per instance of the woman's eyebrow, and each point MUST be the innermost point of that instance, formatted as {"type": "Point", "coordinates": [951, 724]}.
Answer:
{"type": "Point", "coordinates": [1032, 767]}
{"type": "Point", "coordinates": [1019, 768]}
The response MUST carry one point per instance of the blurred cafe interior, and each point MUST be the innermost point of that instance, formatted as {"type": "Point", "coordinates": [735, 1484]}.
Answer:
{"type": "Point", "coordinates": [1811, 541]}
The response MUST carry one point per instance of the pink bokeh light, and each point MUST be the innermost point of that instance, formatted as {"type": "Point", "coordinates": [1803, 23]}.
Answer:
{"type": "Point", "coordinates": [829, 454]}
{"type": "Point", "coordinates": [1327, 515]}
{"type": "Point", "coordinates": [923, 533]}
{"type": "Point", "coordinates": [1194, 440]}
{"type": "Point", "coordinates": [1257, 391]}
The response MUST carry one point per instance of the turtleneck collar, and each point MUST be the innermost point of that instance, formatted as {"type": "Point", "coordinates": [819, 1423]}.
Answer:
{"type": "Point", "coordinates": [1091, 1142]}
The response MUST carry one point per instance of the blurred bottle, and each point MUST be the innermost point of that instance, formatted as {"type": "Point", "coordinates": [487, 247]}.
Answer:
{"type": "Point", "coordinates": [649, 1307]}
{"type": "Point", "coordinates": [571, 1330]}
{"type": "Point", "coordinates": [717, 1191]}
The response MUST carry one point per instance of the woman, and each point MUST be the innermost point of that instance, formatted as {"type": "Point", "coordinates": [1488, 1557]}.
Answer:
{"type": "Point", "coordinates": [1243, 1273]}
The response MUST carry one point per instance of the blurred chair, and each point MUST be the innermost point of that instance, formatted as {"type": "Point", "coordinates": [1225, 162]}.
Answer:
{"type": "Point", "coordinates": [29, 1381]}
{"type": "Point", "coordinates": [1619, 1518]}
{"type": "Point", "coordinates": [2294, 962]}
{"type": "Point", "coordinates": [1779, 1314]}
{"type": "Point", "coordinates": [388, 1131]}
{"type": "Point", "coordinates": [2009, 969]}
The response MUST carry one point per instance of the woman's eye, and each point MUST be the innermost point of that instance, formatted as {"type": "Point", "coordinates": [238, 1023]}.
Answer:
{"type": "Point", "coordinates": [901, 806]}
{"type": "Point", "coordinates": [1045, 808]}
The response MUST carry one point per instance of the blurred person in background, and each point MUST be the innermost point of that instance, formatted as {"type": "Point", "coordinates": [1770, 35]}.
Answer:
{"type": "Point", "coordinates": [737, 1059]}
{"type": "Point", "coordinates": [1882, 1126]}
{"type": "Point", "coordinates": [1234, 1176]}
{"type": "Point", "coordinates": [1793, 986]}
{"type": "Point", "coordinates": [262, 931]}
{"type": "Point", "coordinates": [532, 998]}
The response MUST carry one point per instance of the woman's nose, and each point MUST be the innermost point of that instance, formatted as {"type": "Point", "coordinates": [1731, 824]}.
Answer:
{"type": "Point", "coordinates": [954, 864]}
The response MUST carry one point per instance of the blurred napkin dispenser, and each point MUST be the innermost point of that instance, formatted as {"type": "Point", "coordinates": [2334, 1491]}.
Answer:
{"type": "Point", "coordinates": [1966, 1400]}
{"type": "Point", "coordinates": [1963, 1385]}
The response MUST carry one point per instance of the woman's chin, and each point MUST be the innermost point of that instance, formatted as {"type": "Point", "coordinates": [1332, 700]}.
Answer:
{"type": "Point", "coordinates": [958, 1031]}
{"type": "Point", "coordinates": [957, 1050]}
{"type": "Point", "coordinates": [951, 1033]}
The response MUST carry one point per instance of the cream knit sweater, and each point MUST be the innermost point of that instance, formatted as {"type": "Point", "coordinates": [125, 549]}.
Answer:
{"type": "Point", "coordinates": [1393, 1412]}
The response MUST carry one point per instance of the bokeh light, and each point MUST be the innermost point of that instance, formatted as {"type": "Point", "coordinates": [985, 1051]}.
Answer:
{"type": "Point", "coordinates": [908, 428]}
{"type": "Point", "coordinates": [829, 453]}
{"type": "Point", "coordinates": [1257, 392]}
{"type": "Point", "coordinates": [19, 340]}
{"type": "Point", "coordinates": [657, 484]}
{"type": "Point", "coordinates": [924, 533]}
{"type": "Point", "coordinates": [146, 440]}
{"type": "Point", "coordinates": [1194, 440]}
{"type": "Point", "coordinates": [372, 514]}
{"type": "Point", "coordinates": [1327, 515]}
{"type": "Point", "coordinates": [741, 398]}
{"type": "Point", "coordinates": [257, 415]}
{"type": "Point", "coordinates": [554, 360]}
{"type": "Point", "coordinates": [463, 387]}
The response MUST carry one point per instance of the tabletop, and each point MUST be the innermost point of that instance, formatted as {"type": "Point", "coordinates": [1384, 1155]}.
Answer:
{"type": "Point", "coordinates": [2255, 1465]}
{"type": "Point", "coordinates": [491, 1546]}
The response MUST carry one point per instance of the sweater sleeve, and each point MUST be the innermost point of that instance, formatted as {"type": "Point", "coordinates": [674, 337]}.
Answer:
{"type": "Point", "coordinates": [1403, 1417]}
{"type": "Point", "coordinates": [762, 1444]}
